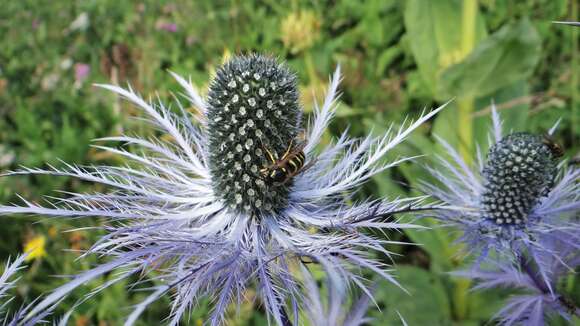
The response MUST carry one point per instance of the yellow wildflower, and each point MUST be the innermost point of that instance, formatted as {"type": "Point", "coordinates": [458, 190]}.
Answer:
{"type": "Point", "coordinates": [52, 232]}
{"type": "Point", "coordinates": [35, 247]}
{"type": "Point", "coordinates": [300, 30]}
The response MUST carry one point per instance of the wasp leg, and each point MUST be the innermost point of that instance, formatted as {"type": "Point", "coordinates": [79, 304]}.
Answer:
{"type": "Point", "coordinates": [288, 150]}
{"type": "Point", "coordinates": [270, 155]}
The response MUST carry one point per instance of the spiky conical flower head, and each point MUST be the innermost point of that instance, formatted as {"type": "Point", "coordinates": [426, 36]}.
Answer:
{"type": "Point", "coordinates": [515, 202]}
{"type": "Point", "coordinates": [173, 206]}
{"type": "Point", "coordinates": [519, 171]}
{"type": "Point", "coordinates": [252, 110]}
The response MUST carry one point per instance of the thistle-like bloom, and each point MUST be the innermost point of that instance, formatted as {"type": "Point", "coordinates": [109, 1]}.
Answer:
{"type": "Point", "coordinates": [334, 310]}
{"type": "Point", "coordinates": [538, 301]}
{"type": "Point", "coordinates": [237, 198]}
{"type": "Point", "coordinates": [7, 282]}
{"type": "Point", "coordinates": [515, 202]}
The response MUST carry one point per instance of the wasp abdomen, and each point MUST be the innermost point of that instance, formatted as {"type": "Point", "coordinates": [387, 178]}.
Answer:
{"type": "Point", "coordinates": [284, 169]}
{"type": "Point", "coordinates": [278, 175]}
{"type": "Point", "coordinates": [296, 163]}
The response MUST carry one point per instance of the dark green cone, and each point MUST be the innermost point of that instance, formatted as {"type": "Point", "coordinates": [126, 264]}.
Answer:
{"type": "Point", "coordinates": [253, 107]}
{"type": "Point", "coordinates": [520, 169]}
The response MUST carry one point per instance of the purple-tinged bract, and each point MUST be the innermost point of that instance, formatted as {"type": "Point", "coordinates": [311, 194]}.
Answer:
{"type": "Point", "coordinates": [18, 318]}
{"type": "Point", "coordinates": [536, 300]}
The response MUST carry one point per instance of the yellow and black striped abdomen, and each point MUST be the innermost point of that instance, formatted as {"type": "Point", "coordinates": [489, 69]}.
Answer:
{"type": "Point", "coordinates": [295, 163]}
{"type": "Point", "coordinates": [283, 170]}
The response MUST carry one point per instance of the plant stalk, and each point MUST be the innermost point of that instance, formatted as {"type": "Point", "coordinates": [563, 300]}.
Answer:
{"type": "Point", "coordinates": [527, 268]}
{"type": "Point", "coordinates": [465, 130]}
{"type": "Point", "coordinates": [574, 78]}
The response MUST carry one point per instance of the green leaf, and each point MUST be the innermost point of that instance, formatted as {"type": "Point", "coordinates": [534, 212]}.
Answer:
{"type": "Point", "coordinates": [437, 242]}
{"type": "Point", "coordinates": [446, 126]}
{"type": "Point", "coordinates": [509, 55]}
{"type": "Point", "coordinates": [434, 35]}
{"type": "Point", "coordinates": [386, 58]}
{"type": "Point", "coordinates": [484, 304]}
{"type": "Point", "coordinates": [514, 118]}
{"type": "Point", "coordinates": [425, 304]}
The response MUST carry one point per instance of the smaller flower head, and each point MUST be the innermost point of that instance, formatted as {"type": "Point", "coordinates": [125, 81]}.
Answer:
{"type": "Point", "coordinates": [519, 171]}
{"type": "Point", "coordinates": [35, 247]}
{"type": "Point", "coordinates": [515, 201]}
{"type": "Point", "coordinates": [168, 27]}
{"type": "Point", "coordinates": [539, 297]}
{"type": "Point", "coordinates": [82, 71]}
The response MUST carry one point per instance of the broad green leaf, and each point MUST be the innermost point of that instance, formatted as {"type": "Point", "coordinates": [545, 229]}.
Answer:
{"type": "Point", "coordinates": [386, 58]}
{"type": "Point", "coordinates": [437, 242]}
{"type": "Point", "coordinates": [514, 116]}
{"type": "Point", "coordinates": [509, 55]}
{"type": "Point", "coordinates": [483, 305]}
{"type": "Point", "coordinates": [446, 125]}
{"type": "Point", "coordinates": [426, 302]}
{"type": "Point", "coordinates": [434, 34]}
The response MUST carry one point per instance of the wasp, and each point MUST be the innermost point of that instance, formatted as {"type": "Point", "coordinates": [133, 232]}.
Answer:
{"type": "Point", "coordinates": [554, 147]}
{"type": "Point", "coordinates": [285, 168]}
{"type": "Point", "coordinates": [575, 160]}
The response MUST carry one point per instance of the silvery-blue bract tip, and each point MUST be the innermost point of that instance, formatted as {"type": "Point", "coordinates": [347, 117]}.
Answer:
{"type": "Point", "coordinates": [204, 211]}
{"type": "Point", "coordinates": [8, 280]}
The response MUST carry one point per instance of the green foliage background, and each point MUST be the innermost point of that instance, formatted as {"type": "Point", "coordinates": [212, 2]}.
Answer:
{"type": "Point", "coordinates": [398, 57]}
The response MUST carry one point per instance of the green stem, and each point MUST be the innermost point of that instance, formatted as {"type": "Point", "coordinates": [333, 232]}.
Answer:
{"type": "Point", "coordinates": [461, 298]}
{"type": "Point", "coordinates": [466, 105]}
{"type": "Point", "coordinates": [465, 129]}
{"type": "Point", "coordinates": [574, 78]}
{"type": "Point", "coordinates": [468, 17]}
{"type": "Point", "coordinates": [312, 76]}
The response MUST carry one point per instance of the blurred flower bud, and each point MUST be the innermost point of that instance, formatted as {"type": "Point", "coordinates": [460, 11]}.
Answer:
{"type": "Point", "coordinates": [300, 30]}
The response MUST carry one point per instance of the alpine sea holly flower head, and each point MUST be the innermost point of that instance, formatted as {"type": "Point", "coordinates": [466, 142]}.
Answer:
{"type": "Point", "coordinates": [335, 308]}
{"type": "Point", "coordinates": [7, 282]}
{"type": "Point", "coordinates": [332, 309]}
{"type": "Point", "coordinates": [513, 202]}
{"type": "Point", "coordinates": [539, 296]}
{"type": "Point", "coordinates": [237, 198]}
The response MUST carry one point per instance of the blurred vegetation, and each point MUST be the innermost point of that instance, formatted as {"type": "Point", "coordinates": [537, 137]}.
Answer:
{"type": "Point", "coordinates": [398, 57]}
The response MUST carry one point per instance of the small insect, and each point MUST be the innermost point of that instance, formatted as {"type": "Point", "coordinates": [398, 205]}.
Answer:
{"type": "Point", "coordinates": [289, 165]}
{"type": "Point", "coordinates": [575, 160]}
{"type": "Point", "coordinates": [554, 147]}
